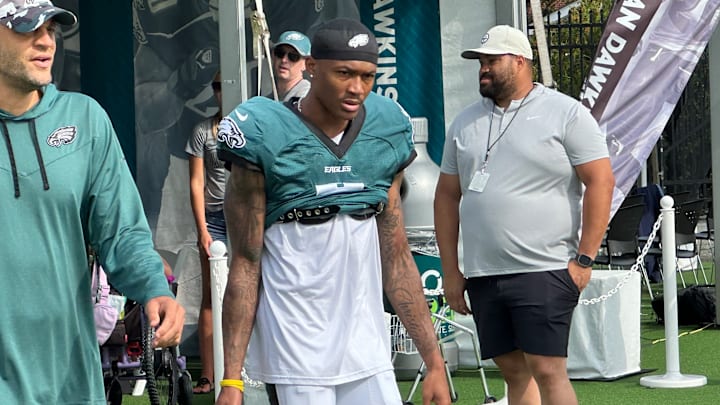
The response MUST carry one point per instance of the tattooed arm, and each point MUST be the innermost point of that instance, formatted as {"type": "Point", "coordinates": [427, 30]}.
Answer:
{"type": "Point", "coordinates": [401, 281]}
{"type": "Point", "coordinates": [245, 213]}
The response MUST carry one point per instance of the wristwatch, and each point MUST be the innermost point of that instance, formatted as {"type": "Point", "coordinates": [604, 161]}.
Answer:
{"type": "Point", "coordinates": [584, 260]}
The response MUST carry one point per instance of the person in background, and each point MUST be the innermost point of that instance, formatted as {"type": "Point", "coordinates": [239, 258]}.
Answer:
{"type": "Point", "coordinates": [207, 190]}
{"type": "Point", "coordinates": [526, 172]}
{"type": "Point", "coordinates": [314, 211]}
{"type": "Point", "coordinates": [168, 271]}
{"type": "Point", "coordinates": [288, 61]}
{"type": "Point", "coordinates": [64, 185]}
{"type": "Point", "coordinates": [176, 54]}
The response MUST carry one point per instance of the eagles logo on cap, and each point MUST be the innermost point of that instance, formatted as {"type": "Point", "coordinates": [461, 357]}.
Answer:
{"type": "Point", "coordinates": [297, 40]}
{"type": "Point", "coordinates": [358, 40]}
{"type": "Point", "coordinates": [344, 39]}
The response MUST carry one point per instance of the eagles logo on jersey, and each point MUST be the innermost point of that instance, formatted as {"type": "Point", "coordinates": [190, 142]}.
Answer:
{"type": "Point", "coordinates": [62, 136]}
{"type": "Point", "coordinates": [230, 133]}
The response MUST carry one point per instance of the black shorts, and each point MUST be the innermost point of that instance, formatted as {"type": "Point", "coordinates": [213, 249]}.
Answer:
{"type": "Point", "coordinates": [526, 311]}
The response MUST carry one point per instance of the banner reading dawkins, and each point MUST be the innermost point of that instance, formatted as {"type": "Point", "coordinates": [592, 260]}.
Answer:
{"type": "Point", "coordinates": [644, 59]}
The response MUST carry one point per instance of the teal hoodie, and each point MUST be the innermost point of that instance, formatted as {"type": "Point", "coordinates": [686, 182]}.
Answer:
{"type": "Point", "coordinates": [64, 182]}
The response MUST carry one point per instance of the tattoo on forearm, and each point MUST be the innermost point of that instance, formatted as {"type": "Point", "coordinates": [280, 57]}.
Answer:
{"type": "Point", "coordinates": [245, 214]}
{"type": "Point", "coordinates": [401, 279]}
{"type": "Point", "coordinates": [388, 224]}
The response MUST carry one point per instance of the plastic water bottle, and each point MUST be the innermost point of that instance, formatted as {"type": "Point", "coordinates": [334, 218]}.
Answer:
{"type": "Point", "coordinates": [418, 189]}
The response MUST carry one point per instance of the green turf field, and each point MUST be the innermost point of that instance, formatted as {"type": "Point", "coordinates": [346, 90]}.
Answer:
{"type": "Point", "coordinates": [699, 354]}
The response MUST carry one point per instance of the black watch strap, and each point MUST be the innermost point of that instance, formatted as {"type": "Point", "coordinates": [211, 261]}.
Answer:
{"type": "Point", "coordinates": [584, 260]}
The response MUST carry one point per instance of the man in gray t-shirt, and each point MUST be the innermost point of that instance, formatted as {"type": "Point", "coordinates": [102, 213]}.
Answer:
{"type": "Point", "coordinates": [526, 172]}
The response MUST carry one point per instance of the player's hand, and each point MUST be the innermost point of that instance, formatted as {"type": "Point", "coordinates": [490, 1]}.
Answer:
{"type": "Point", "coordinates": [454, 288]}
{"type": "Point", "coordinates": [435, 388]}
{"type": "Point", "coordinates": [204, 241]}
{"type": "Point", "coordinates": [229, 396]}
{"type": "Point", "coordinates": [168, 319]}
{"type": "Point", "coordinates": [579, 274]}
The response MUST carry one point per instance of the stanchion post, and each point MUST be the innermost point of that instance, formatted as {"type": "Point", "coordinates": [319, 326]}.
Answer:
{"type": "Point", "coordinates": [672, 377]}
{"type": "Point", "coordinates": [218, 281]}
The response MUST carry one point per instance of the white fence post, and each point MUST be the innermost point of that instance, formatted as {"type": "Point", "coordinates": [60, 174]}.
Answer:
{"type": "Point", "coordinates": [218, 281]}
{"type": "Point", "coordinates": [672, 377]}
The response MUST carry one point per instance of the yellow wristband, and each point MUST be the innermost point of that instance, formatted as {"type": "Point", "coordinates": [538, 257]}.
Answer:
{"type": "Point", "coordinates": [239, 384]}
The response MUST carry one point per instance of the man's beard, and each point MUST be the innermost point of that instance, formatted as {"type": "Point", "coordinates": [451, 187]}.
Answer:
{"type": "Point", "coordinates": [498, 88]}
{"type": "Point", "coordinates": [489, 90]}
{"type": "Point", "coordinates": [17, 73]}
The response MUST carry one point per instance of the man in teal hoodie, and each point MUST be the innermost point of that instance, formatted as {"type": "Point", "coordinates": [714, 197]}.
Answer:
{"type": "Point", "coordinates": [64, 184]}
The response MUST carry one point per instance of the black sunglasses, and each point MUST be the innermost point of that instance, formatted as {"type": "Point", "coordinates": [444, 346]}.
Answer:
{"type": "Point", "coordinates": [216, 86]}
{"type": "Point", "coordinates": [292, 56]}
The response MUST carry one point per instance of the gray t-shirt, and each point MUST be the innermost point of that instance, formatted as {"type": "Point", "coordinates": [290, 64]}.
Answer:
{"type": "Point", "coordinates": [203, 144]}
{"type": "Point", "coordinates": [527, 217]}
{"type": "Point", "coordinates": [300, 89]}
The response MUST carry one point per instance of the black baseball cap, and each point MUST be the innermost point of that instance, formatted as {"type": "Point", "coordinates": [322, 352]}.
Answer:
{"type": "Point", "coordinates": [344, 39]}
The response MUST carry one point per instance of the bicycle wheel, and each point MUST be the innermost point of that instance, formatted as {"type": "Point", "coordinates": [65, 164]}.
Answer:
{"type": "Point", "coordinates": [161, 369]}
{"type": "Point", "coordinates": [185, 388]}
{"type": "Point", "coordinates": [113, 391]}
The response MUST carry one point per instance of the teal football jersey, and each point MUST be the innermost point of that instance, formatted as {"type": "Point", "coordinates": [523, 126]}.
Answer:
{"type": "Point", "coordinates": [305, 169]}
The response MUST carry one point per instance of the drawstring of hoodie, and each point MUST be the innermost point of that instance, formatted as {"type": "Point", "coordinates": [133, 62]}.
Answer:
{"type": "Point", "coordinates": [11, 154]}
{"type": "Point", "coordinates": [38, 155]}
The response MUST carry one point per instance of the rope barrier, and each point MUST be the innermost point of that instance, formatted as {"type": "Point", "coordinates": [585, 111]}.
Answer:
{"type": "Point", "coordinates": [261, 36]}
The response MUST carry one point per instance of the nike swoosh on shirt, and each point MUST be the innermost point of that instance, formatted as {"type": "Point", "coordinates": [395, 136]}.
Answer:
{"type": "Point", "coordinates": [532, 117]}
{"type": "Point", "coordinates": [242, 117]}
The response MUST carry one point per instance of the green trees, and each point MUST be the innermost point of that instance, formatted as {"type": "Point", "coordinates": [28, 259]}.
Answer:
{"type": "Point", "coordinates": [573, 30]}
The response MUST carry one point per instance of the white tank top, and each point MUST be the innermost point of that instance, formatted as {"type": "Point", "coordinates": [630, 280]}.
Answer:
{"type": "Point", "coordinates": [320, 318]}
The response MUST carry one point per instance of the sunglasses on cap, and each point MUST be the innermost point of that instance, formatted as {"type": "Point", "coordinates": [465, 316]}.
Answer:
{"type": "Point", "coordinates": [216, 86]}
{"type": "Point", "coordinates": [292, 56]}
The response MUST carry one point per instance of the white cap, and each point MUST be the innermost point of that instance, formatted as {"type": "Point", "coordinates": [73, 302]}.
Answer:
{"type": "Point", "coordinates": [501, 40]}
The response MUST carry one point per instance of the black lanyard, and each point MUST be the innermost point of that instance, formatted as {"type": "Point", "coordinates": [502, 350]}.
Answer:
{"type": "Point", "coordinates": [492, 114]}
